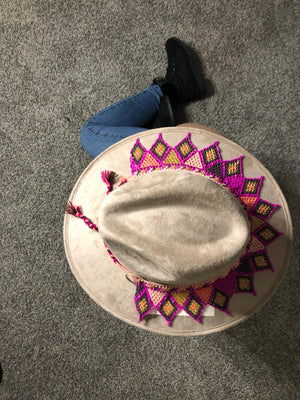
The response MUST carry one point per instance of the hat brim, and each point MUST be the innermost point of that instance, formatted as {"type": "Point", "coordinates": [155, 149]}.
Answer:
{"type": "Point", "coordinates": [106, 283]}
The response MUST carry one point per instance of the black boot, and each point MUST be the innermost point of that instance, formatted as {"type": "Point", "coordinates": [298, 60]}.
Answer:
{"type": "Point", "coordinates": [184, 81]}
{"type": "Point", "coordinates": [165, 116]}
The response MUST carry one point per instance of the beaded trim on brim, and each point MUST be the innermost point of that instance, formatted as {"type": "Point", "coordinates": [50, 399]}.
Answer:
{"type": "Point", "coordinates": [168, 301]}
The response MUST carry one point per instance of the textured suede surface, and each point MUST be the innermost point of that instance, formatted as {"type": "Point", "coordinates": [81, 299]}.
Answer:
{"type": "Point", "coordinates": [174, 227]}
{"type": "Point", "coordinates": [106, 283]}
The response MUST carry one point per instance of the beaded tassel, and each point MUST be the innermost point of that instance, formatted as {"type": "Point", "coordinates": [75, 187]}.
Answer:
{"type": "Point", "coordinates": [76, 211]}
{"type": "Point", "coordinates": [108, 178]}
{"type": "Point", "coordinates": [122, 180]}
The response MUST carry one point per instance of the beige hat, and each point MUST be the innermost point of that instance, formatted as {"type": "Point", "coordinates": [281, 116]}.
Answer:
{"type": "Point", "coordinates": [189, 236]}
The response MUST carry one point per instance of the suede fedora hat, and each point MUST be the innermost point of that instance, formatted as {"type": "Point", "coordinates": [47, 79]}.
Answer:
{"type": "Point", "coordinates": [178, 231]}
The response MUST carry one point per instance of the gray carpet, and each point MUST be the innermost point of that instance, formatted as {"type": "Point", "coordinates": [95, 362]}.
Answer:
{"type": "Point", "coordinates": [61, 61]}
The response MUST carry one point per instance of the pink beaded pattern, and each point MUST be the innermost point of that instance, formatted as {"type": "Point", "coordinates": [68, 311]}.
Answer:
{"type": "Point", "coordinates": [168, 301]}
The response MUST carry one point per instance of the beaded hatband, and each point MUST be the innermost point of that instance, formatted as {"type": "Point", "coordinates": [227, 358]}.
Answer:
{"type": "Point", "coordinates": [169, 300]}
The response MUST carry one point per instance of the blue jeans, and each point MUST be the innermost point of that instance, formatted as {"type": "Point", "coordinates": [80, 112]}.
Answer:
{"type": "Point", "coordinates": [120, 120]}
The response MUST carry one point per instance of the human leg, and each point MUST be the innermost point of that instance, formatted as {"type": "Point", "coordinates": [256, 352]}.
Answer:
{"type": "Point", "coordinates": [120, 120]}
{"type": "Point", "coordinates": [151, 108]}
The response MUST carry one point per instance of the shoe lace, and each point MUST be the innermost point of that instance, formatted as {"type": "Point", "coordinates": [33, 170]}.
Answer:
{"type": "Point", "coordinates": [170, 70]}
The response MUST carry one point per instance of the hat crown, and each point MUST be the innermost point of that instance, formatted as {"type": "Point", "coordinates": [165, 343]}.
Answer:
{"type": "Point", "coordinates": [174, 227]}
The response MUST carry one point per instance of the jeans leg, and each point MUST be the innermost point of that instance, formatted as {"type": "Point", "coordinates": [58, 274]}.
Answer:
{"type": "Point", "coordinates": [120, 120]}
